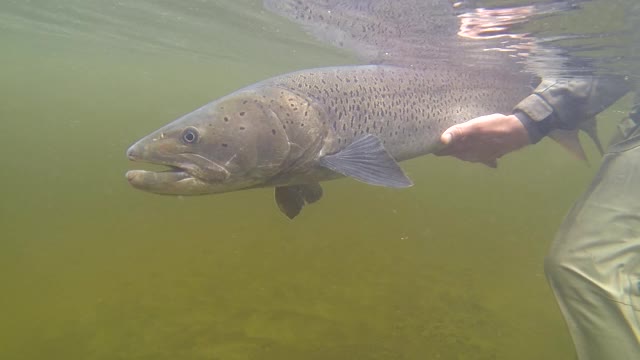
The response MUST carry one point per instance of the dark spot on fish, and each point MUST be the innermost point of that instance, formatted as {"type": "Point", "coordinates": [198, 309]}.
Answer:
{"type": "Point", "coordinates": [226, 119]}
{"type": "Point", "coordinates": [301, 124]}
{"type": "Point", "coordinates": [224, 145]}
{"type": "Point", "coordinates": [242, 113]}
{"type": "Point", "coordinates": [242, 128]}
{"type": "Point", "coordinates": [273, 131]}
{"type": "Point", "coordinates": [244, 102]}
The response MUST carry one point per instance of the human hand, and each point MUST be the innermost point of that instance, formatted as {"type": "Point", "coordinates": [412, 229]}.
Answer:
{"type": "Point", "coordinates": [484, 139]}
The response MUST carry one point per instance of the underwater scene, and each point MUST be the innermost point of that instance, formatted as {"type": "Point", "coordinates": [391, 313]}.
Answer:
{"type": "Point", "coordinates": [451, 267]}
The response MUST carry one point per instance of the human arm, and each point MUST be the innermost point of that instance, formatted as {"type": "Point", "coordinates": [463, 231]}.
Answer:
{"type": "Point", "coordinates": [485, 139]}
{"type": "Point", "coordinates": [555, 104]}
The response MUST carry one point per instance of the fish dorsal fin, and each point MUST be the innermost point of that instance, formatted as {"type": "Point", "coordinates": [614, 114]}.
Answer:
{"type": "Point", "coordinates": [570, 141]}
{"type": "Point", "coordinates": [291, 199]}
{"type": "Point", "coordinates": [366, 160]}
{"type": "Point", "coordinates": [590, 127]}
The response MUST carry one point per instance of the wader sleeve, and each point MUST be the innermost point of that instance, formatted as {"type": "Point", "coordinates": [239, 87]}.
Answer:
{"type": "Point", "coordinates": [566, 103]}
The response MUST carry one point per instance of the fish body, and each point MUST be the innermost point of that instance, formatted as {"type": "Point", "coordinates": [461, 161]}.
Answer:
{"type": "Point", "coordinates": [296, 130]}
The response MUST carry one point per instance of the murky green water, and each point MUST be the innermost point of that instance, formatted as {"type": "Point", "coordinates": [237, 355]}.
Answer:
{"type": "Point", "coordinates": [93, 269]}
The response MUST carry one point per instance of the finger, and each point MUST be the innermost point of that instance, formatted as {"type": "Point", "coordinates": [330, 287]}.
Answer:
{"type": "Point", "coordinates": [450, 139]}
{"type": "Point", "coordinates": [446, 138]}
{"type": "Point", "coordinates": [452, 135]}
{"type": "Point", "coordinates": [459, 131]}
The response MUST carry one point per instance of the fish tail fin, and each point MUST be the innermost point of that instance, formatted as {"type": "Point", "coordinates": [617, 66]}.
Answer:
{"type": "Point", "coordinates": [570, 141]}
{"type": "Point", "coordinates": [590, 127]}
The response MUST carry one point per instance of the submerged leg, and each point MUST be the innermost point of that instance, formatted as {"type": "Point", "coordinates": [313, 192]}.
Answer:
{"type": "Point", "coordinates": [594, 263]}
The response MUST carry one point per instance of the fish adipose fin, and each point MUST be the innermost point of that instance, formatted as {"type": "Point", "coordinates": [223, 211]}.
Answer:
{"type": "Point", "coordinates": [491, 163]}
{"type": "Point", "coordinates": [368, 161]}
{"type": "Point", "coordinates": [291, 199]}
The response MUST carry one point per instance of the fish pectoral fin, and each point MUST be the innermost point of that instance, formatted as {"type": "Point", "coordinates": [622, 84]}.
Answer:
{"type": "Point", "coordinates": [291, 199]}
{"type": "Point", "coordinates": [368, 161]}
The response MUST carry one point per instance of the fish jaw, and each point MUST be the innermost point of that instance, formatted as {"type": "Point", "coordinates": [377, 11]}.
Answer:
{"type": "Point", "coordinates": [188, 174]}
{"type": "Point", "coordinates": [165, 182]}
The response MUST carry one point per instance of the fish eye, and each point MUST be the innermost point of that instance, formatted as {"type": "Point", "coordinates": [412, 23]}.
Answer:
{"type": "Point", "coordinates": [190, 135]}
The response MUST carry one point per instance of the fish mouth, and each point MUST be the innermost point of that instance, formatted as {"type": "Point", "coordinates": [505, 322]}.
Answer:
{"type": "Point", "coordinates": [185, 174]}
{"type": "Point", "coordinates": [173, 173]}
{"type": "Point", "coordinates": [172, 181]}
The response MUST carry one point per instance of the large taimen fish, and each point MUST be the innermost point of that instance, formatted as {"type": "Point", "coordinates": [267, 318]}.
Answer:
{"type": "Point", "coordinates": [295, 130]}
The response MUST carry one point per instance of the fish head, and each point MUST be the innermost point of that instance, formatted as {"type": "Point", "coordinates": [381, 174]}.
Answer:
{"type": "Point", "coordinates": [233, 143]}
